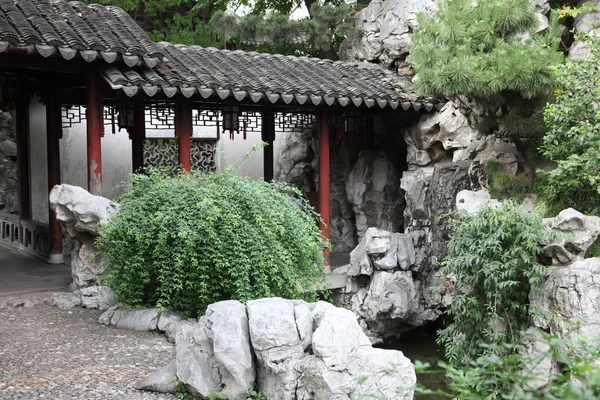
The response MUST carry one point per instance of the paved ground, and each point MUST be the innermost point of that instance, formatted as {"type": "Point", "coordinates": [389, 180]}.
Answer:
{"type": "Point", "coordinates": [19, 274]}
{"type": "Point", "coordinates": [48, 353]}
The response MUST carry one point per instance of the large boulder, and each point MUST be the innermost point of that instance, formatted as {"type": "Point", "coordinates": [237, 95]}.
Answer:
{"type": "Point", "coordinates": [473, 201]}
{"type": "Point", "coordinates": [570, 299]}
{"type": "Point", "coordinates": [79, 210]}
{"type": "Point", "coordinates": [82, 214]}
{"type": "Point", "coordinates": [215, 355]}
{"type": "Point", "coordinates": [576, 233]}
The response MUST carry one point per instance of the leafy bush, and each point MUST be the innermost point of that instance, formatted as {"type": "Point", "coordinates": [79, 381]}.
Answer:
{"type": "Point", "coordinates": [493, 256]}
{"type": "Point", "coordinates": [515, 376]}
{"type": "Point", "coordinates": [573, 137]}
{"type": "Point", "coordinates": [502, 184]}
{"type": "Point", "coordinates": [183, 242]}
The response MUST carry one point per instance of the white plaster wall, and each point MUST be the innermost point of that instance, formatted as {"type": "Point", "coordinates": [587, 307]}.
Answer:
{"type": "Point", "coordinates": [116, 158]}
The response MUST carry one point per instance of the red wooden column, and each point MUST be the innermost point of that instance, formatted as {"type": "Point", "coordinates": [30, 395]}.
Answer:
{"type": "Point", "coordinates": [23, 165]}
{"type": "Point", "coordinates": [137, 134]}
{"type": "Point", "coordinates": [183, 131]}
{"type": "Point", "coordinates": [324, 170]}
{"type": "Point", "coordinates": [53, 134]}
{"type": "Point", "coordinates": [268, 135]}
{"type": "Point", "coordinates": [95, 127]}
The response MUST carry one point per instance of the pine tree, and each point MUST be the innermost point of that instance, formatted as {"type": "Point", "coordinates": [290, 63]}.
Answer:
{"type": "Point", "coordinates": [489, 51]}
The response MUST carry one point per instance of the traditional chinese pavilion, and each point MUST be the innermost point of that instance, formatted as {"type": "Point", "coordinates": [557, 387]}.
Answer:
{"type": "Point", "coordinates": [96, 64]}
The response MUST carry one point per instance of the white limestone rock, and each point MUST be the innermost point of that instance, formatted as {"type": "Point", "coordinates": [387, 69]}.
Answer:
{"type": "Point", "coordinates": [390, 295]}
{"type": "Point", "coordinates": [372, 190]}
{"type": "Point", "coordinates": [169, 323]}
{"type": "Point", "coordinates": [473, 201]}
{"type": "Point", "coordinates": [100, 297]}
{"type": "Point", "coordinates": [79, 210]}
{"type": "Point", "coordinates": [495, 149]}
{"type": "Point", "coordinates": [86, 263]}
{"type": "Point", "coordinates": [137, 319]}
{"type": "Point", "coordinates": [571, 294]}
{"type": "Point", "coordinates": [214, 355]}
{"type": "Point", "coordinates": [277, 345]}
{"type": "Point", "coordinates": [343, 356]}
{"type": "Point", "coordinates": [162, 380]}
{"type": "Point", "coordinates": [65, 301]}
{"type": "Point", "coordinates": [577, 233]}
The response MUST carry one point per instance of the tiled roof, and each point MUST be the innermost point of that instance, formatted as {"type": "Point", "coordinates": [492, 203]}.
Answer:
{"type": "Point", "coordinates": [71, 28]}
{"type": "Point", "coordinates": [280, 79]}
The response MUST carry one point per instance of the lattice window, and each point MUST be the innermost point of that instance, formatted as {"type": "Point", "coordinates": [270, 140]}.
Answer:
{"type": "Point", "coordinates": [72, 115]}
{"type": "Point", "coordinates": [163, 152]}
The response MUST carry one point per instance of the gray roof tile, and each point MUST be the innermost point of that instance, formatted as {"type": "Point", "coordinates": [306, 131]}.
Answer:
{"type": "Point", "coordinates": [270, 75]}
{"type": "Point", "coordinates": [74, 25]}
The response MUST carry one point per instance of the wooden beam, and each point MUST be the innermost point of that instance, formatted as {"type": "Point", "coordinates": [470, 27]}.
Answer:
{"type": "Point", "coordinates": [268, 136]}
{"type": "Point", "coordinates": [53, 127]}
{"type": "Point", "coordinates": [137, 135]}
{"type": "Point", "coordinates": [95, 126]}
{"type": "Point", "coordinates": [183, 131]}
{"type": "Point", "coordinates": [23, 165]}
{"type": "Point", "coordinates": [324, 178]}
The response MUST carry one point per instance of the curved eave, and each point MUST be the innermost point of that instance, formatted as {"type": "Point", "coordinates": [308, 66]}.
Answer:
{"type": "Point", "coordinates": [68, 53]}
{"type": "Point", "coordinates": [277, 98]}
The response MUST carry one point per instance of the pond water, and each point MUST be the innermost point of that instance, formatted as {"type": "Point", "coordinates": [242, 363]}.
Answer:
{"type": "Point", "coordinates": [422, 346]}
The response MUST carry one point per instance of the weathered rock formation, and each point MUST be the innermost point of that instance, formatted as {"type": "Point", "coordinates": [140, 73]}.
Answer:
{"type": "Point", "coordinates": [576, 233]}
{"type": "Point", "coordinates": [290, 349]}
{"type": "Point", "coordinates": [82, 214]}
{"type": "Point", "coordinates": [8, 165]}
{"type": "Point", "coordinates": [389, 293]}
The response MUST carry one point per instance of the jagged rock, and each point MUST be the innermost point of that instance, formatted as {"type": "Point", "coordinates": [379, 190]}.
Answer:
{"type": "Point", "coordinates": [372, 189]}
{"type": "Point", "coordinates": [381, 250]}
{"type": "Point", "coordinates": [142, 319]}
{"type": "Point", "coordinates": [360, 263]}
{"type": "Point", "coordinates": [82, 213]}
{"type": "Point", "coordinates": [297, 163]}
{"type": "Point", "coordinates": [101, 297]}
{"type": "Point", "coordinates": [214, 355]}
{"type": "Point", "coordinates": [342, 356]}
{"type": "Point", "coordinates": [169, 323]}
{"type": "Point", "coordinates": [473, 201]}
{"type": "Point", "coordinates": [162, 380]}
{"type": "Point", "coordinates": [86, 263]}
{"type": "Point", "coordinates": [589, 21]}
{"type": "Point", "coordinates": [343, 229]}
{"type": "Point", "coordinates": [65, 301]}
{"type": "Point", "coordinates": [391, 295]}
{"type": "Point", "coordinates": [579, 50]}
{"type": "Point", "coordinates": [79, 210]}
{"type": "Point", "coordinates": [449, 130]}
{"type": "Point", "coordinates": [499, 150]}
{"type": "Point", "coordinates": [277, 345]}
{"type": "Point", "coordinates": [571, 295]}
{"type": "Point", "coordinates": [8, 148]}
{"type": "Point", "coordinates": [387, 27]}
{"type": "Point", "coordinates": [577, 233]}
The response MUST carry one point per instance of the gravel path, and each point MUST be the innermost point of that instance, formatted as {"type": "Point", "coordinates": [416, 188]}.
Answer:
{"type": "Point", "coordinates": [49, 353]}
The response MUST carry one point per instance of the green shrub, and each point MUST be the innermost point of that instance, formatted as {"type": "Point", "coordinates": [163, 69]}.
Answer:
{"type": "Point", "coordinates": [573, 137]}
{"type": "Point", "coordinates": [493, 256]}
{"type": "Point", "coordinates": [502, 184]}
{"type": "Point", "coordinates": [183, 242]}
{"type": "Point", "coordinates": [490, 376]}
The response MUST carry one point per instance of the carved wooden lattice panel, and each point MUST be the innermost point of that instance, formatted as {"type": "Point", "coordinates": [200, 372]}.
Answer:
{"type": "Point", "coordinates": [162, 152]}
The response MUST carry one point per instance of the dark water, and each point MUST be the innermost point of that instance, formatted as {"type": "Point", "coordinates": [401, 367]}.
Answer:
{"type": "Point", "coordinates": [423, 347]}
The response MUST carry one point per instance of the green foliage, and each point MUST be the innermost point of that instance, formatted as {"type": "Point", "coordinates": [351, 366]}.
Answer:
{"type": "Point", "coordinates": [514, 377]}
{"type": "Point", "coordinates": [493, 256]}
{"type": "Point", "coordinates": [503, 184]}
{"type": "Point", "coordinates": [573, 137]}
{"type": "Point", "coordinates": [320, 35]}
{"type": "Point", "coordinates": [183, 242]}
{"type": "Point", "coordinates": [489, 51]}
